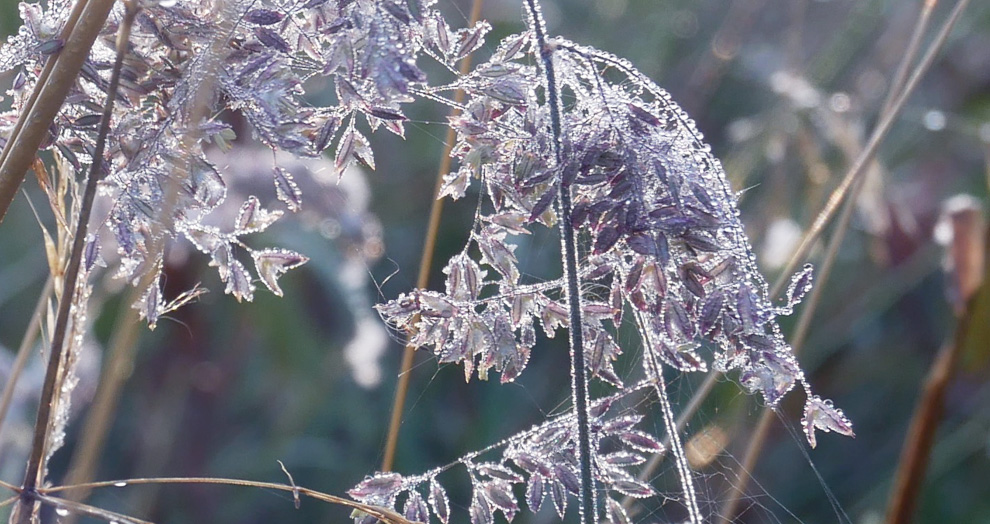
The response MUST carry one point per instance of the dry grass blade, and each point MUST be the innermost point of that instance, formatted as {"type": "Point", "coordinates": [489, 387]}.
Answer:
{"type": "Point", "coordinates": [425, 264]}
{"type": "Point", "coordinates": [20, 151]}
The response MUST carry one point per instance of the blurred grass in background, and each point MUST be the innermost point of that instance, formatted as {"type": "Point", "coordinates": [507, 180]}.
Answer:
{"type": "Point", "coordinates": [785, 94]}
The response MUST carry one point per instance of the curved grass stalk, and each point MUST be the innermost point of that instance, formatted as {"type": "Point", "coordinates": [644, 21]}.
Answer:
{"type": "Point", "coordinates": [425, 264]}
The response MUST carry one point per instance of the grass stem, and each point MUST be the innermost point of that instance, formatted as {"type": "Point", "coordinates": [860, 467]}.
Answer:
{"type": "Point", "coordinates": [425, 265]}
{"type": "Point", "coordinates": [579, 379]}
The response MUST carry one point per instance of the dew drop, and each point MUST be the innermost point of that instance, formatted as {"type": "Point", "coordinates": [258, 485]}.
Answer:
{"type": "Point", "coordinates": [119, 484]}
{"type": "Point", "coordinates": [61, 512]}
{"type": "Point", "coordinates": [934, 120]}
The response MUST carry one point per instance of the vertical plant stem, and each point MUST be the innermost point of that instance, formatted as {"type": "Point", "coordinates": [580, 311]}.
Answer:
{"type": "Point", "coordinates": [673, 431]}
{"type": "Point", "coordinates": [32, 476]}
{"type": "Point", "coordinates": [27, 341]}
{"type": "Point", "coordinates": [692, 407]}
{"type": "Point", "coordinates": [579, 379]}
{"type": "Point", "coordinates": [33, 124]}
{"type": "Point", "coordinates": [921, 433]}
{"type": "Point", "coordinates": [425, 264]}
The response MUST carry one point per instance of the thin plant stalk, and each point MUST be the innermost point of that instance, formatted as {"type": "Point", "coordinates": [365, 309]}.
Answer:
{"type": "Point", "coordinates": [49, 398]}
{"type": "Point", "coordinates": [869, 151]}
{"type": "Point", "coordinates": [654, 368]}
{"type": "Point", "coordinates": [897, 81]}
{"type": "Point", "coordinates": [682, 420]}
{"type": "Point", "coordinates": [20, 151]}
{"type": "Point", "coordinates": [893, 104]}
{"type": "Point", "coordinates": [579, 379]}
{"type": "Point", "coordinates": [924, 423]}
{"type": "Point", "coordinates": [384, 514]}
{"type": "Point", "coordinates": [425, 264]}
{"type": "Point", "coordinates": [27, 342]}
{"type": "Point", "coordinates": [77, 508]}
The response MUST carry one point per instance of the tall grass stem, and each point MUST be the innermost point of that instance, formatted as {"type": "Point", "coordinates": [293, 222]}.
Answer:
{"type": "Point", "coordinates": [425, 265]}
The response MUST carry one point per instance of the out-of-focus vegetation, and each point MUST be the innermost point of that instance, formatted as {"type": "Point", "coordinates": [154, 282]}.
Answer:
{"type": "Point", "coordinates": [785, 92]}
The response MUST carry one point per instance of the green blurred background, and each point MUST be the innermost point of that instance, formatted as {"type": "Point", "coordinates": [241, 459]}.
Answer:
{"type": "Point", "coordinates": [784, 93]}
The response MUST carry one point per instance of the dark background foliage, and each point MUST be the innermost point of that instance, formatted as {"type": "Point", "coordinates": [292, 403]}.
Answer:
{"type": "Point", "coordinates": [226, 389]}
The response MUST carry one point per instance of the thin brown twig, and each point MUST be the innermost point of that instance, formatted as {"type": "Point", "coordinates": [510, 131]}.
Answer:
{"type": "Point", "coordinates": [78, 508]}
{"type": "Point", "coordinates": [9, 486]}
{"type": "Point", "coordinates": [20, 151]}
{"type": "Point", "coordinates": [49, 398]}
{"type": "Point", "coordinates": [425, 265]}
{"type": "Point", "coordinates": [383, 514]}
{"type": "Point", "coordinates": [27, 342]}
{"type": "Point", "coordinates": [921, 433]}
